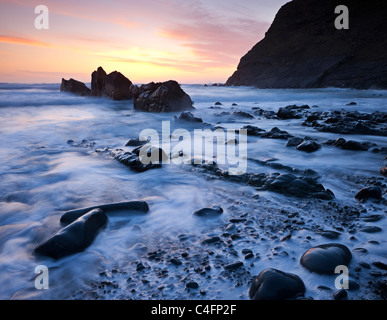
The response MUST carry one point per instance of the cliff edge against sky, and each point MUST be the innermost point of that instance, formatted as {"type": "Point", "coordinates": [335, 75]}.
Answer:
{"type": "Point", "coordinates": [303, 48]}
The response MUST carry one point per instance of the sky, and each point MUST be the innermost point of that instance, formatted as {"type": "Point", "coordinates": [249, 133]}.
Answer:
{"type": "Point", "coordinates": [190, 41]}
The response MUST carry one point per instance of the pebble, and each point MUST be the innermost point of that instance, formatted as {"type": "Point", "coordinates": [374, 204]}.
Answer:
{"type": "Point", "coordinates": [233, 266]}
{"type": "Point", "coordinates": [192, 285]}
{"type": "Point", "coordinates": [370, 229]}
{"type": "Point", "coordinates": [340, 295]}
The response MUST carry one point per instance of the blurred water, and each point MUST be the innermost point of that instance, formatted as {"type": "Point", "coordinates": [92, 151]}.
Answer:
{"type": "Point", "coordinates": [42, 175]}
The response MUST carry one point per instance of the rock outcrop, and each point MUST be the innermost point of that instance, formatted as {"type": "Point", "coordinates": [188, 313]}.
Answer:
{"type": "Point", "coordinates": [165, 96]}
{"type": "Point", "coordinates": [75, 87]}
{"type": "Point", "coordinates": [162, 97]}
{"type": "Point", "coordinates": [303, 48]}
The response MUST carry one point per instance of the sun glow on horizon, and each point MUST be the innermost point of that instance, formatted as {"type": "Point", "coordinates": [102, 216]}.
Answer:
{"type": "Point", "coordinates": [156, 41]}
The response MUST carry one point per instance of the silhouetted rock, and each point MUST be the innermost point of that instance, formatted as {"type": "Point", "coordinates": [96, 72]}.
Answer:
{"type": "Point", "coordinates": [117, 86]}
{"type": "Point", "coordinates": [162, 97]}
{"type": "Point", "coordinates": [98, 79]}
{"type": "Point", "coordinates": [75, 87]}
{"type": "Point", "coordinates": [303, 49]}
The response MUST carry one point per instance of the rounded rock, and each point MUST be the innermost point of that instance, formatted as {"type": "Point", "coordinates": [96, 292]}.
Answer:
{"type": "Point", "coordinates": [273, 284]}
{"type": "Point", "coordinates": [326, 257]}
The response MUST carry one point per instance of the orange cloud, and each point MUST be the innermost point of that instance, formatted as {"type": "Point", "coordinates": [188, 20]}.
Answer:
{"type": "Point", "coordinates": [23, 41]}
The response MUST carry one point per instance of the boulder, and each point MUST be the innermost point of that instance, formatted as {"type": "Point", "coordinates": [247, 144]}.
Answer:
{"type": "Point", "coordinates": [162, 97]}
{"type": "Point", "coordinates": [75, 87]}
{"type": "Point", "coordinates": [326, 257]}
{"type": "Point", "coordinates": [276, 133]}
{"type": "Point", "coordinates": [130, 207]}
{"type": "Point", "coordinates": [293, 142]}
{"type": "Point", "coordinates": [354, 145]}
{"type": "Point", "coordinates": [98, 79]}
{"type": "Point", "coordinates": [308, 146]}
{"type": "Point", "coordinates": [374, 192]}
{"type": "Point", "coordinates": [132, 160]}
{"type": "Point", "coordinates": [212, 211]}
{"type": "Point", "coordinates": [117, 86]}
{"type": "Point", "coordinates": [242, 114]}
{"type": "Point", "coordinates": [189, 117]}
{"type": "Point", "coordinates": [273, 284]}
{"type": "Point", "coordinates": [75, 237]}
{"type": "Point", "coordinates": [136, 142]}
{"type": "Point", "coordinates": [253, 131]}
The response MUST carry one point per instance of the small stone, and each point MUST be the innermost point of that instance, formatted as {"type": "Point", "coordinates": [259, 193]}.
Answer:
{"type": "Point", "coordinates": [380, 265]}
{"type": "Point", "coordinates": [249, 255]}
{"type": "Point", "coordinates": [370, 229]}
{"type": "Point", "coordinates": [211, 240]}
{"type": "Point", "coordinates": [246, 251]}
{"type": "Point", "coordinates": [233, 266]}
{"type": "Point", "coordinates": [353, 285]}
{"type": "Point", "coordinates": [176, 262]}
{"type": "Point", "coordinates": [340, 295]}
{"type": "Point", "coordinates": [192, 285]}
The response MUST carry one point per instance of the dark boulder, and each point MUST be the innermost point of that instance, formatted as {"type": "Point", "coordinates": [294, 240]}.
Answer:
{"type": "Point", "coordinates": [289, 112]}
{"type": "Point", "coordinates": [133, 161]}
{"type": "Point", "coordinates": [253, 131]}
{"type": "Point", "coordinates": [189, 117]}
{"type": "Point", "coordinates": [374, 192]}
{"type": "Point", "coordinates": [242, 114]}
{"type": "Point", "coordinates": [276, 133]}
{"type": "Point", "coordinates": [354, 145]}
{"type": "Point", "coordinates": [293, 142]}
{"type": "Point", "coordinates": [273, 284]}
{"type": "Point", "coordinates": [75, 237]}
{"type": "Point", "coordinates": [98, 79]}
{"type": "Point", "coordinates": [117, 86]}
{"type": "Point", "coordinates": [212, 211]}
{"type": "Point", "coordinates": [129, 207]}
{"type": "Point", "coordinates": [162, 97]}
{"type": "Point", "coordinates": [326, 257]}
{"type": "Point", "coordinates": [308, 146]}
{"type": "Point", "coordinates": [135, 142]}
{"type": "Point", "coordinates": [75, 87]}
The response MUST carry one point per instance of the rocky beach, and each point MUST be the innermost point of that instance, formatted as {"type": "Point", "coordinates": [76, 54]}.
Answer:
{"type": "Point", "coordinates": [271, 186]}
{"type": "Point", "coordinates": [315, 181]}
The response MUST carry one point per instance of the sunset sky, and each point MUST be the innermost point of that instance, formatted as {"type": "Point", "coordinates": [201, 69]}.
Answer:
{"type": "Point", "coordinates": [191, 41]}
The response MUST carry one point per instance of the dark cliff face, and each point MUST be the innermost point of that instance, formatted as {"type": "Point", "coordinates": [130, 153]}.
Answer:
{"type": "Point", "coordinates": [303, 49]}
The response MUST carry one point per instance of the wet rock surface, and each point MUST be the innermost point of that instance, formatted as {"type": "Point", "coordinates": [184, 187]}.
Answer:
{"type": "Point", "coordinates": [273, 284]}
{"type": "Point", "coordinates": [75, 87]}
{"type": "Point", "coordinates": [76, 237]}
{"type": "Point", "coordinates": [326, 257]}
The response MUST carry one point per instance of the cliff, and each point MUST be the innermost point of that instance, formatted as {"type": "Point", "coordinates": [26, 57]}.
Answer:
{"type": "Point", "coordinates": [303, 49]}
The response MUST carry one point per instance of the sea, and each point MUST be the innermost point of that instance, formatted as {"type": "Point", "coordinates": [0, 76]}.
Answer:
{"type": "Point", "coordinates": [54, 157]}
